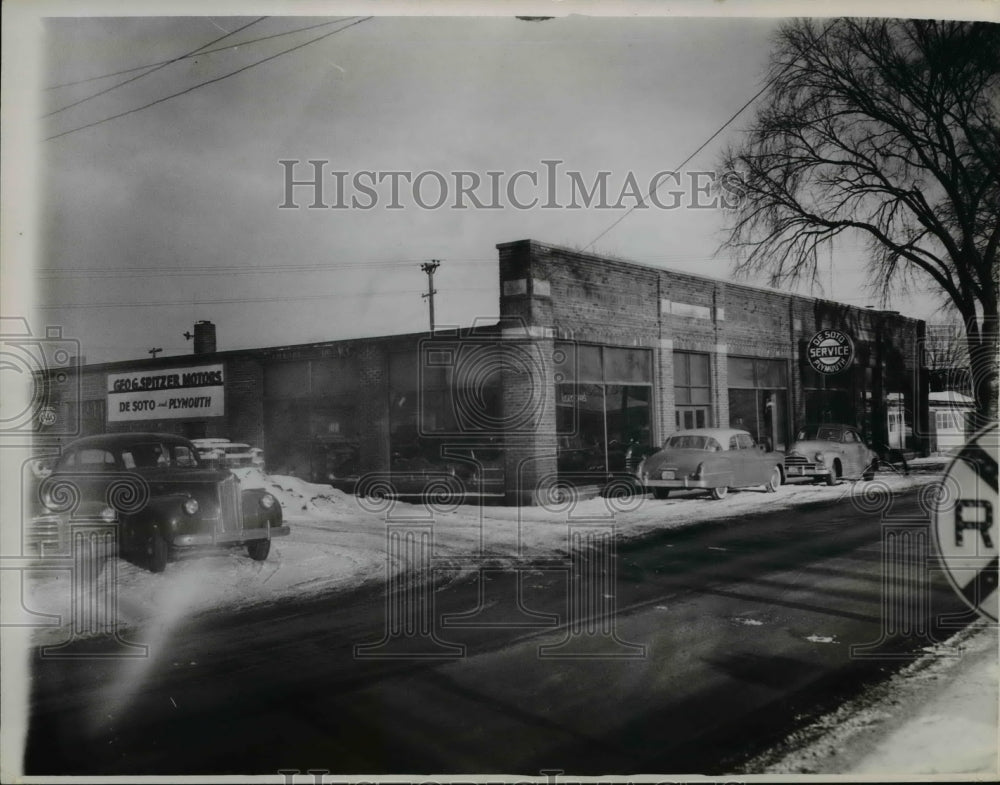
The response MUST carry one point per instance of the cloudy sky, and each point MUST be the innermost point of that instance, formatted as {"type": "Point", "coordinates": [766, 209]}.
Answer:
{"type": "Point", "coordinates": [170, 213]}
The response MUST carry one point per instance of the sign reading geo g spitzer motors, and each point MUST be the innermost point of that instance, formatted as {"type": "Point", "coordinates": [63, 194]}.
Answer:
{"type": "Point", "coordinates": [964, 526]}
{"type": "Point", "coordinates": [173, 393]}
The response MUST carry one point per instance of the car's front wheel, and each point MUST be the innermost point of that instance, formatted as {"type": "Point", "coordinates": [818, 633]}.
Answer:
{"type": "Point", "coordinates": [771, 486]}
{"type": "Point", "coordinates": [720, 493]}
{"type": "Point", "coordinates": [259, 549]}
{"type": "Point", "coordinates": [661, 493]}
{"type": "Point", "coordinates": [834, 476]}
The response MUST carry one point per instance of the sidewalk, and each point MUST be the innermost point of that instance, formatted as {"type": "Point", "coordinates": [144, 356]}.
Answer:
{"type": "Point", "coordinates": [937, 716]}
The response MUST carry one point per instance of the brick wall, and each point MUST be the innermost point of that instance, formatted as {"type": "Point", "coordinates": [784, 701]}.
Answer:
{"type": "Point", "coordinates": [373, 409]}
{"type": "Point", "coordinates": [594, 299]}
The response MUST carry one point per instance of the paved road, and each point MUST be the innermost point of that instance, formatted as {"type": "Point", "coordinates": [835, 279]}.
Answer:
{"type": "Point", "coordinates": [726, 636]}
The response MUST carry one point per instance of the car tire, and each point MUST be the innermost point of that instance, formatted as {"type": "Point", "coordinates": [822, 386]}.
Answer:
{"type": "Point", "coordinates": [259, 549]}
{"type": "Point", "coordinates": [771, 486]}
{"type": "Point", "coordinates": [834, 476]}
{"type": "Point", "coordinates": [720, 493]}
{"type": "Point", "coordinates": [661, 493]}
{"type": "Point", "coordinates": [157, 552]}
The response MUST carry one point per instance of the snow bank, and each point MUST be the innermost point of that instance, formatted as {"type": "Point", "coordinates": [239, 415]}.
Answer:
{"type": "Point", "coordinates": [938, 716]}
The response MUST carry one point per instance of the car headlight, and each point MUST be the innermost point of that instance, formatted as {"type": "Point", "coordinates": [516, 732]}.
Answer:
{"type": "Point", "coordinates": [108, 515]}
{"type": "Point", "coordinates": [267, 501]}
{"type": "Point", "coordinates": [819, 457]}
{"type": "Point", "coordinates": [190, 506]}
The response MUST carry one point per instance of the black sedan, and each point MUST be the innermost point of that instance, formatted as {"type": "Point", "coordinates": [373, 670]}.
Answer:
{"type": "Point", "coordinates": [163, 502]}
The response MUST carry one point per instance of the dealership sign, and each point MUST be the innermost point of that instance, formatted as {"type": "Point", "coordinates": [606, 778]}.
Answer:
{"type": "Point", "coordinates": [175, 393]}
{"type": "Point", "coordinates": [830, 351]}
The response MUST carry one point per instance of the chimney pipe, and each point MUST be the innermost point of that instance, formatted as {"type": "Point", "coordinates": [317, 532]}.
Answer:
{"type": "Point", "coordinates": [204, 337]}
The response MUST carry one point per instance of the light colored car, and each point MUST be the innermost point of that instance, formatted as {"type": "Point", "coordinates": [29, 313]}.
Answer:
{"type": "Point", "coordinates": [830, 452]}
{"type": "Point", "coordinates": [715, 459]}
{"type": "Point", "coordinates": [229, 455]}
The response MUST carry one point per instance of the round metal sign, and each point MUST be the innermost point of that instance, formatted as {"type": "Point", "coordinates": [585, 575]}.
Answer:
{"type": "Point", "coordinates": [830, 351]}
{"type": "Point", "coordinates": [964, 513]}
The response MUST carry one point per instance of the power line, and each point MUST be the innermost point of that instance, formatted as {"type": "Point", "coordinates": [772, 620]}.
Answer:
{"type": "Point", "coordinates": [208, 270]}
{"type": "Point", "coordinates": [208, 82]}
{"type": "Point", "coordinates": [704, 144]}
{"type": "Point", "coordinates": [153, 69]}
{"type": "Point", "coordinates": [241, 300]}
{"type": "Point", "coordinates": [199, 53]}
{"type": "Point", "coordinates": [170, 272]}
{"type": "Point", "coordinates": [683, 163]}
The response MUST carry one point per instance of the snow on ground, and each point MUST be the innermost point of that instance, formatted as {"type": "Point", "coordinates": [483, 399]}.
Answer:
{"type": "Point", "coordinates": [938, 716]}
{"type": "Point", "coordinates": [338, 542]}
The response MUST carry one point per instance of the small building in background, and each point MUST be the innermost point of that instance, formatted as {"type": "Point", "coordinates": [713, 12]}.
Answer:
{"type": "Point", "coordinates": [949, 416]}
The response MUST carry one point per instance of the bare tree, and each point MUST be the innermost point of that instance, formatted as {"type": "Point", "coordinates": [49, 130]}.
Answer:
{"type": "Point", "coordinates": [890, 129]}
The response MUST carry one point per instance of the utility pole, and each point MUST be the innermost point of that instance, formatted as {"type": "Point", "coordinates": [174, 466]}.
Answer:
{"type": "Point", "coordinates": [429, 268]}
{"type": "Point", "coordinates": [154, 352]}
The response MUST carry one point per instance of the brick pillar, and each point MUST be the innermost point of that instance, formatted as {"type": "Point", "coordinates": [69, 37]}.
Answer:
{"type": "Point", "coordinates": [373, 412]}
{"type": "Point", "coordinates": [665, 405]}
{"type": "Point", "coordinates": [529, 412]}
{"type": "Point", "coordinates": [720, 385]}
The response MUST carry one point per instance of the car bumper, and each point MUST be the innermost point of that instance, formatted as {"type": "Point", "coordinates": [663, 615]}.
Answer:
{"type": "Point", "coordinates": [229, 538]}
{"type": "Point", "coordinates": [798, 470]}
{"type": "Point", "coordinates": [680, 482]}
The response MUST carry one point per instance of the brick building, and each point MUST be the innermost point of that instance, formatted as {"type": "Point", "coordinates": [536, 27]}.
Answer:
{"type": "Point", "coordinates": [589, 355]}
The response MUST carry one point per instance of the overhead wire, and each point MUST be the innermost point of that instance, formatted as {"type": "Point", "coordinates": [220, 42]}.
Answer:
{"type": "Point", "coordinates": [198, 53]}
{"type": "Point", "coordinates": [241, 300]}
{"type": "Point", "coordinates": [167, 272]}
{"type": "Point", "coordinates": [207, 82]}
{"type": "Point", "coordinates": [767, 84]}
{"type": "Point", "coordinates": [153, 69]}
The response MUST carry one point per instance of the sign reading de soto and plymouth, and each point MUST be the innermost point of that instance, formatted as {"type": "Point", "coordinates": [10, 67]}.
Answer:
{"type": "Point", "coordinates": [830, 351]}
{"type": "Point", "coordinates": [175, 393]}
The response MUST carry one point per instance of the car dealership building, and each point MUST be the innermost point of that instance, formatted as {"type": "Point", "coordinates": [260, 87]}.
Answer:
{"type": "Point", "coordinates": [589, 356]}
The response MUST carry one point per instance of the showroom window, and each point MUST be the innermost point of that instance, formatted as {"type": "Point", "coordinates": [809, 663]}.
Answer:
{"type": "Point", "coordinates": [603, 400]}
{"type": "Point", "coordinates": [310, 422]}
{"type": "Point", "coordinates": [758, 399]}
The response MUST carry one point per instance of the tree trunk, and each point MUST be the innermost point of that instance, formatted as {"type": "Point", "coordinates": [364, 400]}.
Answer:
{"type": "Point", "coordinates": [983, 359]}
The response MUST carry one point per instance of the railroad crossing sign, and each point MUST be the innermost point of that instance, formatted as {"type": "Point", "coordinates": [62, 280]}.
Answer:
{"type": "Point", "coordinates": [965, 527]}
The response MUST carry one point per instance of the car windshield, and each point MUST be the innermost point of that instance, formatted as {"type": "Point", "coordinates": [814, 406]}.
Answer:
{"type": "Point", "coordinates": [692, 442]}
{"type": "Point", "coordinates": [155, 455]}
{"type": "Point", "coordinates": [823, 433]}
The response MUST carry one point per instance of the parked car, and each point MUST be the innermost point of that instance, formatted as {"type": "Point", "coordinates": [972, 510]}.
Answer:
{"type": "Point", "coordinates": [716, 459]}
{"type": "Point", "coordinates": [162, 498]}
{"type": "Point", "coordinates": [463, 471]}
{"type": "Point", "coordinates": [830, 452]}
{"type": "Point", "coordinates": [223, 453]}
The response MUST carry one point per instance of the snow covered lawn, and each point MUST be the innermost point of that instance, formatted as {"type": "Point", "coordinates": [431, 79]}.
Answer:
{"type": "Point", "coordinates": [339, 541]}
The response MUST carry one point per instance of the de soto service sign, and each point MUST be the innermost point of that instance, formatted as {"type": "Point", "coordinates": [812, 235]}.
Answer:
{"type": "Point", "coordinates": [174, 393]}
{"type": "Point", "coordinates": [830, 351]}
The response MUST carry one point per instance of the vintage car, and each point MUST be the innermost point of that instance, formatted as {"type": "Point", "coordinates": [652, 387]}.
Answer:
{"type": "Point", "coordinates": [164, 502]}
{"type": "Point", "coordinates": [429, 469]}
{"type": "Point", "coordinates": [716, 459]}
{"type": "Point", "coordinates": [830, 452]}
{"type": "Point", "coordinates": [230, 455]}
